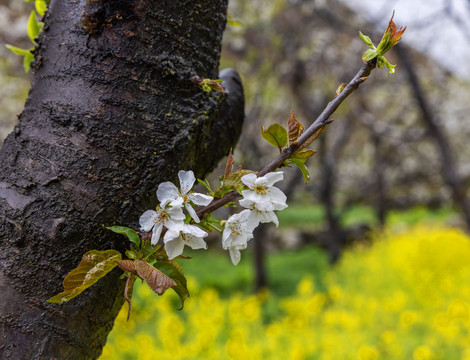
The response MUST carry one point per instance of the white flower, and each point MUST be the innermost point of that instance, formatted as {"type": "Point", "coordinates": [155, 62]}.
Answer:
{"type": "Point", "coordinates": [262, 197]}
{"type": "Point", "coordinates": [177, 237]}
{"type": "Point", "coordinates": [155, 220]}
{"type": "Point", "coordinates": [238, 230]}
{"type": "Point", "coordinates": [257, 216]}
{"type": "Point", "coordinates": [235, 254]}
{"type": "Point", "coordinates": [167, 191]}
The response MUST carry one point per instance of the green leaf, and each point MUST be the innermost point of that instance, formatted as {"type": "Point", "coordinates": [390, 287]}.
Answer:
{"type": "Point", "coordinates": [369, 55]}
{"type": "Point", "coordinates": [41, 7]}
{"type": "Point", "coordinates": [300, 164]}
{"type": "Point", "coordinates": [380, 62]}
{"type": "Point", "coordinates": [206, 184]}
{"type": "Point", "coordinates": [367, 40]}
{"type": "Point", "coordinates": [233, 23]}
{"type": "Point", "coordinates": [33, 26]}
{"type": "Point", "coordinates": [231, 182]}
{"type": "Point", "coordinates": [131, 234]}
{"type": "Point", "coordinates": [94, 265]}
{"type": "Point", "coordinates": [304, 154]}
{"type": "Point", "coordinates": [391, 68]}
{"type": "Point", "coordinates": [17, 50]}
{"type": "Point", "coordinates": [176, 274]}
{"type": "Point", "coordinates": [235, 178]}
{"type": "Point", "coordinates": [27, 61]}
{"type": "Point", "coordinates": [276, 135]}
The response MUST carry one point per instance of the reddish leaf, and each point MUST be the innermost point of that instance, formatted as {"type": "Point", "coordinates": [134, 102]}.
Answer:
{"type": "Point", "coordinates": [229, 165]}
{"type": "Point", "coordinates": [313, 137]}
{"type": "Point", "coordinates": [127, 265]}
{"type": "Point", "coordinates": [294, 128]}
{"type": "Point", "coordinates": [128, 292]}
{"type": "Point", "coordinates": [155, 279]}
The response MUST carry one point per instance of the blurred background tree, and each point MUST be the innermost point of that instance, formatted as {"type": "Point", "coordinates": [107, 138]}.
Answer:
{"type": "Point", "coordinates": [399, 144]}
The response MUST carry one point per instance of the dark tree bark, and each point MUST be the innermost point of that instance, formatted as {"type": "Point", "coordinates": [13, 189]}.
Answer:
{"type": "Point", "coordinates": [449, 168]}
{"type": "Point", "coordinates": [112, 112]}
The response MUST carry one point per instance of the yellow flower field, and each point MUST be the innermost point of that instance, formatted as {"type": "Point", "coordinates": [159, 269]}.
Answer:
{"type": "Point", "coordinates": [407, 296]}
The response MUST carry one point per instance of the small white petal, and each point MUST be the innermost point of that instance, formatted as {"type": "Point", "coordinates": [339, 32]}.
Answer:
{"type": "Point", "coordinates": [195, 242]}
{"type": "Point", "coordinates": [157, 231]}
{"type": "Point", "coordinates": [252, 221]}
{"type": "Point", "coordinates": [270, 216]}
{"type": "Point", "coordinates": [249, 180]}
{"type": "Point", "coordinates": [174, 225]}
{"type": "Point", "coordinates": [192, 212]}
{"type": "Point", "coordinates": [176, 213]}
{"type": "Point", "coordinates": [194, 230]}
{"type": "Point", "coordinates": [177, 203]}
{"type": "Point", "coordinates": [226, 238]}
{"type": "Point", "coordinates": [261, 181]}
{"type": "Point", "coordinates": [187, 180]}
{"type": "Point", "coordinates": [167, 191]}
{"type": "Point", "coordinates": [244, 215]}
{"type": "Point", "coordinates": [252, 195]}
{"type": "Point", "coordinates": [201, 199]}
{"type": "Point", "coordinates": [174, 247]}
{"type": "Point", "coordinates": [265, 204]}
{"type": "Point", "coordinates": [147, 220]}
{"type": "Point", "coordinates": [248, 204]}
{"type": "Point", "coordinates": [235, 256]}
{"type": "Point", "coordinates": [273, 177]}
{"type": "Point", "coordinates": [277, 195]}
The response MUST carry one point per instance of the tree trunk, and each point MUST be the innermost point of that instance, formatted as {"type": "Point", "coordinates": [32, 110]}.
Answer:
{"type": "Point", "coordinates": [112, 112]}
{"type": "Point", "coordinates": [449, 167]}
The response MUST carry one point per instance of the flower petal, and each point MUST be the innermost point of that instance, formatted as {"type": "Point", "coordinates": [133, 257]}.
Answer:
{"type": "Point", "coordinates": [192, 212]}
{"type": "Point", "coordinates": [177, 203]}
{"type": "Point", "coordinates": [195, 242]}
{"type": "Point", "coordinates": [187, 180]}
{"type": "Point", "coordinates": [273, 177]}
{"type": "Point", "coordinates": [147, 220]}
{"type": "Point", "coordinates": [252, 196]}
{"type": "Point", "coordinates": [174, 247]}
{"type": "Point", "coordinates": [267, 217]}
{"type": "Point", "coordinates": [248, 204]}
{"type": "Point", "coordinates": [157, 231]}
{"type": "Point", "coordinates": [235, 256]}
{"type": "Point", "coordinates": [175, 225]}
{"type": "Point", "coordinates": [194, 230]}
{"type": "Point", "coordinates": [176, 213]}
{"type": "Point", "coordinates": [277, 195]}
{"type": "Point", "coordinates": [167, 191]}
{"type": "Point", "coordinates": [226, 238]}
{"type": "Point", "coordinates": [201, 199]}
{"type": "Point", "coordinates": [249, 179]}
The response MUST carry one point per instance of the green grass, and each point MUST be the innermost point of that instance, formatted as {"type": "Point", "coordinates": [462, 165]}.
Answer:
{"type": "Point", "coordinates": [312, 217]}
{"type": "Point", "coordinates": [214, 269]}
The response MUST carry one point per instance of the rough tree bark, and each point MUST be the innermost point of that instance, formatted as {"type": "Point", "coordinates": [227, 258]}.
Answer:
{"type": "Point", "coordinates": [111, 113]}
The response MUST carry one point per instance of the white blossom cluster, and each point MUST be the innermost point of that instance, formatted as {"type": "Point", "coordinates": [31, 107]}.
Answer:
{"type": "Point", "coordinates": [169, 214]}
{"type": "Point", "coordinates": [260, 201]}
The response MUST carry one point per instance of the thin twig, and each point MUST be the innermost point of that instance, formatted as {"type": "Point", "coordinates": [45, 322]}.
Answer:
{"type": "Point", "coordinates": [321, 120]}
